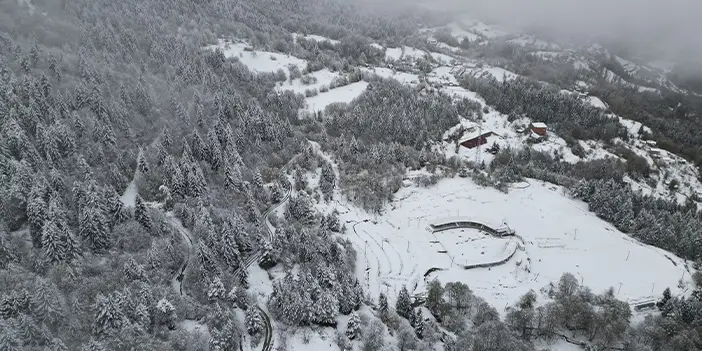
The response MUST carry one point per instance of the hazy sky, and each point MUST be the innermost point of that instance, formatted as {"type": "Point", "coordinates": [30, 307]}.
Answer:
{"type": "Point", "coordinates": [673, 25]}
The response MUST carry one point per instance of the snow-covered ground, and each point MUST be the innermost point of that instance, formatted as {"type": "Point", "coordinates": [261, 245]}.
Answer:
{"type": "Point", "coordinates": [256, 60]}
{"type": "Point", "coordinates": [344, 94]}
{"type": "Point", "coordinates": [559, 235]}
{"type": "Point", "coordinates": [322, 78]}
{"type": "Point", "coordinates": [317, 38]}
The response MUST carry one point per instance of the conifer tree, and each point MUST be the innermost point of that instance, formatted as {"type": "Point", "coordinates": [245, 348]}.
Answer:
{"type": "Point", "coordinates": [254, 322]}
{"type": "Point", "coordinates": [383, 307]}
{"type": "Point", "coordinates": [199, 148]}
{"type": "Point", "coordinates": [232, 177]}
{"type": "Point", "coordinates": [92, 223]}
{"type": "Point", "coordinates": [142, 164]}
{"type": "Point", "coordinates": [353, 328]}
{"type": "Point", "coordinates": [141, 213]}
{"type": "Point", "coordinates": [404, 304]}
{"type": "Point", "coordinates": [216, 290]}
{"type": "Point", "coordinates": [418, 323]}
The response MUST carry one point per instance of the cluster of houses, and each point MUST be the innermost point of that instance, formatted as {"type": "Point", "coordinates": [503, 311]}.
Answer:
{"type": "Point", "coordinates": [475, 138]}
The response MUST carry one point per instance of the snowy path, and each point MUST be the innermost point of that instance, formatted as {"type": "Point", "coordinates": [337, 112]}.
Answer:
{"type": "Point", "coordinates": [177, 281]}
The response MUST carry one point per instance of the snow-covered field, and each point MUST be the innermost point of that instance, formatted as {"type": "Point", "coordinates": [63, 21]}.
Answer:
{"type": "Point", "coordinates": [559, 235]}
{"type": "Point", "coordinates": [344, 94]}
{"type": "Point", "coordinates": [258, 61]}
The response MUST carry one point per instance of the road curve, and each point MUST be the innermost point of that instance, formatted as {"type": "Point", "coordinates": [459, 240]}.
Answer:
{"type": "Point", "coordinates": [268, 327]}
{"type": "Point", "coordinates": [179, 276]}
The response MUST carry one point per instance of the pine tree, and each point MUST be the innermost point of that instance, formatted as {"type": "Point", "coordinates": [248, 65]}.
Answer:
{"type": "Point", "coordinates": [326, 308]}
{"type": "Point", "coordinates": [142, 164]}
{"type": "Point", "coordinates": [214, 150]}
{"type": "Point", "coordinates": [93, 345]}
{"type": "Point", "coordinates": [110, 314]}
{"type": "Point", "coordinates": [383, 307]}
{"type": "Point", "coordinates": [229, 249]}
{"type": "Point", "coordinates": [165, 313]}
{"type": "Point", "coordinates": [51, 242]}
{"type": "Point", "coordinates": [165, 138]}
{"type": "Point", "coordinates": [244, 278]}
{"type": "Point", "coordinates": [254, 322]}
{"type": "Point", "coordinates": [141, 213]}
{"type": "Point", "coordinates": [276, 193]}
{"type": "Point", "coordinates": [435, 297]}
{"type": "Point", "coordinates": [404, 304]}
{"type": "Point", "coordinates": [92, 223]}
{"type": "Point", "coordinates": [258, 179]}
{"type": "Point", "coordinates": [353, 328]}
{"type": "Point", "coordinates": [664, 300]}
{"type": "Point", "coordinates": [216, 290]}
{"type": "Point", "coordinates": [199, 148]}
{"type": "Point", "coordinates": [267, 259]}
{"type": "Point", "coordinates": [45, 302]}
{"type": "Point", "coordinates": [418, 323]}
{"type": "Point", "coordinates": [37, 210]}
{"type": "Point", "coordinates": [9, 337]}
{"type": "Point", "coordinates": [332, 221]}
{"type": "Point", "coordinates": [232, 177]}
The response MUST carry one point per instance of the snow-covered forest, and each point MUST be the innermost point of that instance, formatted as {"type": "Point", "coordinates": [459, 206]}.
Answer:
{"type": "Point", "coordinates": [181, 175]}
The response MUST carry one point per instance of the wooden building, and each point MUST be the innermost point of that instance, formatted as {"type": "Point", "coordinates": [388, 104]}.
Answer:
{"type": "Point", "coordinates": [538, 128]}
{"type": "Point", "coordinates": [475, 140]}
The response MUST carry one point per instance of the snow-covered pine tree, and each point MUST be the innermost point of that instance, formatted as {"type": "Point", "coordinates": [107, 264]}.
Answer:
{"type": "Point", "coordinates": [418, 323]}
{"type": "Point", "coordinates": [141, 213]}
{"type": "Point", "coordinates": [51, 242]}
{"type": "Point", "coordinates": [109, 313]}
{"type": "Point", "coordinates": [404, 303]}
{"type": "Point", "coordinates": [214, 150]}
{"type": "Point", "coordinates": [253, 320]}
{"type": "Point", "coordinates": [37, 210]}
{"type": "Point", "coordinates": [332, 221]}
{"type": "Point", "coordinates": [325, 309]}
{"type": "Point", "coordinates": [199, 148]}
{"type": "Point", "coordinates": [165, 313]}
{"type": "Point", "coordinates": [92, 223]}
{"type": "Point", "coordinates": [276, 192]}
{"type": "Point", "coordinates": [267, 259]}
{"type": "Point", "coordinates": [216, 290]}
{"type": "Point", "coordinates": [353, 328]}
{"type": "Point", "coordinates": [228, 247]}
{"type": "Point", "coordinates": [142, 163]}
{"type": "Point", "coordinates": [165, 138]}
{"type": "Point", "coordinates": [383, 307]}
{"type": "Point", "coordinates": [257, 179]}
{"type": "Point", "coordinates": [232, 177]}
{"type": "Point", "coordinates": [142, 316]}
{"type": "Point", "coordinates": [244, 278]}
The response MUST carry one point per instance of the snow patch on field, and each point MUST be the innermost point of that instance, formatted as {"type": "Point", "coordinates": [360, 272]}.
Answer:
{"type": "Point", "coordinates": [343, 94]}
{"type": "Point", "coordinates": [258, 61]}
{"type": "Point", "coordinates": [324, 77]}
{"type": "Point", "coordinates": [596, 102]}
{"type": "Point", "coordinates": [402, 77]}
{"type": "Point", "coordinates": [317, 38]}
{"type": "Point", "coordinates": [499, 73]}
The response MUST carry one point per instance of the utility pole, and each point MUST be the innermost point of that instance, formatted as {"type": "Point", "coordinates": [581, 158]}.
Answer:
{"type": "Point", "coordinates": [620, 288]}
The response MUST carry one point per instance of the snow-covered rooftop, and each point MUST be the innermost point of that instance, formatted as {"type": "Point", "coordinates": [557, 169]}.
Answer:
{"type": "Point", "coordinates": [538, 125]}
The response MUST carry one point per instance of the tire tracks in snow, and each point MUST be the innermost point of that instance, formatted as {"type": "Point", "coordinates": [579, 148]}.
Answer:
{"type": "Point", "coordinates": [365, 249]}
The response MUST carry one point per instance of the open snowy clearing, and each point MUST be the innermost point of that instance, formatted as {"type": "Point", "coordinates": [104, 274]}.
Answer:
{"type": "Point", "coordinates": [343, 94]}
{"type": "Point", "coordinates": [559, 235]}
{"type": "Point", "coordinates": [317, 38]}
{"type": "Point", "coordinates": [323, 78]}
{"type": "Point", "coordinates": [258, 61]}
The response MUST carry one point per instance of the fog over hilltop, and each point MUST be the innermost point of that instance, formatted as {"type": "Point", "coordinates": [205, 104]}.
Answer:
{"type": "Point", "coordinates": [662, 29]}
